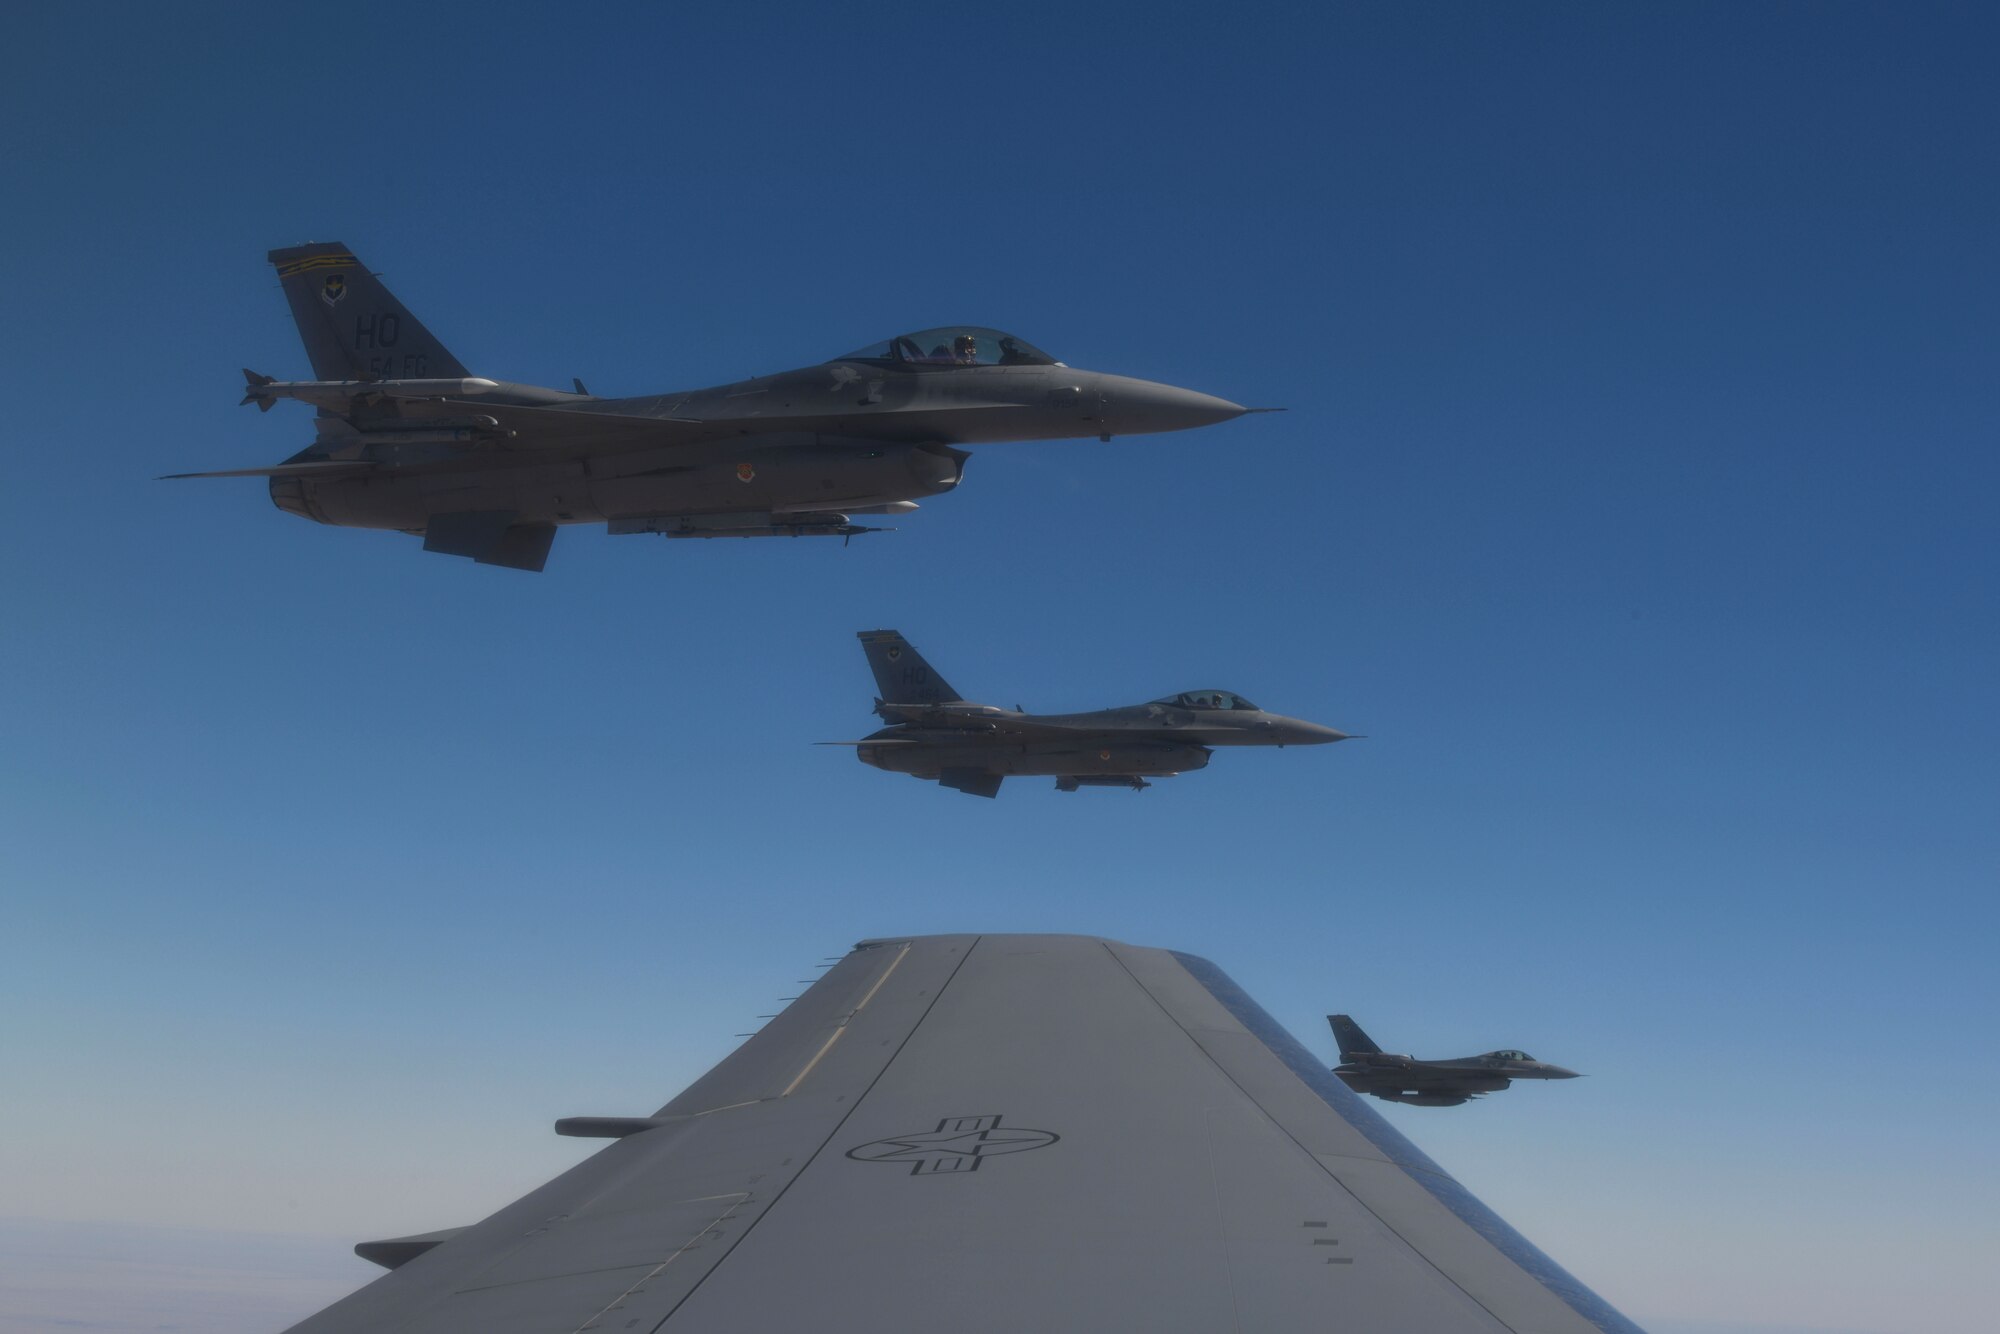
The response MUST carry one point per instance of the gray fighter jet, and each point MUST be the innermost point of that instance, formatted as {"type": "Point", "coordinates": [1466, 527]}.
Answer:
{"type": "Point", "coordinates": [1366, 1068]}
{"type": "Point", "coordinates": [935, 733]}
{"type": "Point", "coordinates": [409, 439]}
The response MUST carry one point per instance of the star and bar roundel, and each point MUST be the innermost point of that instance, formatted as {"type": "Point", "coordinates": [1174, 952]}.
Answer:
{"type": "Point", "coordinates": [959, 1144]}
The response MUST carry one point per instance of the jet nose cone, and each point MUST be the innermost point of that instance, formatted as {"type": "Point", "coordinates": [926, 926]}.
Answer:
{"type": "Point", "coordinates": [1557, 1072]}
{"type": "Point", "coordinates": [1140, 407]}
{"type": "Point", "coordinates": [1298, 732]}
{"type": "Point", "coordinates": [1312, 734]}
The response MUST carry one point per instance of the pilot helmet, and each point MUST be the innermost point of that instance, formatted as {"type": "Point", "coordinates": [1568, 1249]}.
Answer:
{"type": "Point", "coordinates": [965, 347]}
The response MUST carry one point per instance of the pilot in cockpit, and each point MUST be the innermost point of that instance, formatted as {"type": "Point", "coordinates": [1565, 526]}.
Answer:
{"type": "Point", "coordinates": [963, 351]}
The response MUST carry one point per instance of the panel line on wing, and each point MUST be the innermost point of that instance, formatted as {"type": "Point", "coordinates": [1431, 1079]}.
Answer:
{"type": "Point", "coordinates": [841, 1028]}
{"type": "Point", "coordinates": [658, 1269]}
{"type": "Point", "coordinates": [852, 1107]}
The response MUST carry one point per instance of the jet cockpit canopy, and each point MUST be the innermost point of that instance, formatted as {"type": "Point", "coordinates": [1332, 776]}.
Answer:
{"type": "Point", "coordinates": [955, 345]}
{"type": "Point", "coordinates": [1512, 1055]}
{"type": "Point", "coordinates": [1207, 699]}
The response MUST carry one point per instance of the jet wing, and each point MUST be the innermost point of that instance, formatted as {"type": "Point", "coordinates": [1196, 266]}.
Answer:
{"type": "Point", "coordinates": [992, 1133]}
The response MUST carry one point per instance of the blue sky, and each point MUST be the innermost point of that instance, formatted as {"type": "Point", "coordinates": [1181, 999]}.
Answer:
{"type": "Point", "coordinates": [1635, 499]}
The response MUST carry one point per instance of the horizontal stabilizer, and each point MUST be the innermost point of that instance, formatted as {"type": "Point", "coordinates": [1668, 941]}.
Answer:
{"type": "Point", "coordinates": [884, 741]}
{"type": "Point", "coordinates": [315, 468]}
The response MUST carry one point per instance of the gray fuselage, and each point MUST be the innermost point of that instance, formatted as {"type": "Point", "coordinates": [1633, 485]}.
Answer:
{"type": "Point", "coordinates": [1140, 740]}
{"type": "Point", "coordinates": [845, 437]}
{"type": "Point", "coordinates": [408, 438]}
{"type": "Point", "coordinates": [1445, 1083]}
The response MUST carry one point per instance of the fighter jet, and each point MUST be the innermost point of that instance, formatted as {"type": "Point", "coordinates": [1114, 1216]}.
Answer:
{"type": "Point", "coordinates": [410, 439]}
{"type": "Point", "coordinates": [1366, 1068]}
{"type": "Point", "coordinates": [935, 733]}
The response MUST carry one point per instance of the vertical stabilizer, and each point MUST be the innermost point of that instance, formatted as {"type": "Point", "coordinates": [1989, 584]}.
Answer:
{"type": "Point", "coordinates": [353, 328]}
{"type": "Point", "coordinates": [1348, 1033]}
{"type": "Point", "coordinates": [901, 674]}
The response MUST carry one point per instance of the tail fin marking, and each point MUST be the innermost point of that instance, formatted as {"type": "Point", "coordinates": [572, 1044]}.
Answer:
{"type": "Point", "coordinates": [1349, 1035]}
{"type": "Point", "coordinates": [353, 327]}
{"type": "Point", "coordinates": [901, 674]}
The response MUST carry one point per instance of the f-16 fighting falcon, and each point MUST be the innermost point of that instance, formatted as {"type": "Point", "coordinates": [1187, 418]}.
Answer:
{"type": "Point", "coordinates": [1366, 1068]}
{"type": "Point", "coordinates": [935, 733]}
{"type": "Point", "coordinates": [410, 439]}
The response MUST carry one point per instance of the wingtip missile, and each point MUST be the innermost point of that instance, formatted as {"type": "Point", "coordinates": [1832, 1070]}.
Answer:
{"type": "Point", "coordinates": [254, 382]}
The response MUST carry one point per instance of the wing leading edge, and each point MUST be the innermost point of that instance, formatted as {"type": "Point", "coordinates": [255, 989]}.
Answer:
{"type": "Point", "coordinates": [996, 1133]}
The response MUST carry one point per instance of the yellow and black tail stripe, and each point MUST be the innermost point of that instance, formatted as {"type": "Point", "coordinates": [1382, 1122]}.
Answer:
{"type": "Point", "coordinates": [315, 262]}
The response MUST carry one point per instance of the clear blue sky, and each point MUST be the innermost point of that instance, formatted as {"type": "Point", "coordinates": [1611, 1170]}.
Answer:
{"type": "Point", "coordinates": [1636, 499]}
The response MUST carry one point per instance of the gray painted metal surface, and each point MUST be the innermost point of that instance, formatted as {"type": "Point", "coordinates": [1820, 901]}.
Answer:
{"type": "Point", "coordinates": [936, 734]}
{"type": "Point", "coordinates": [409, 439]}
{"type": "Point", "coordinates": [999, 1133]}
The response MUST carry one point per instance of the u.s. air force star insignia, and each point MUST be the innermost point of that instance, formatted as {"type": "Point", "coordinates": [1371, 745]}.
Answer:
{"type": "Point", "coordinates": [844, 376]}
{"type": "Point", "coordinates": [959, 1144]}
{"type": "Point", "coordinates": [334, 288]}
{"type": "Point", "coordinates": [746, 472]}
